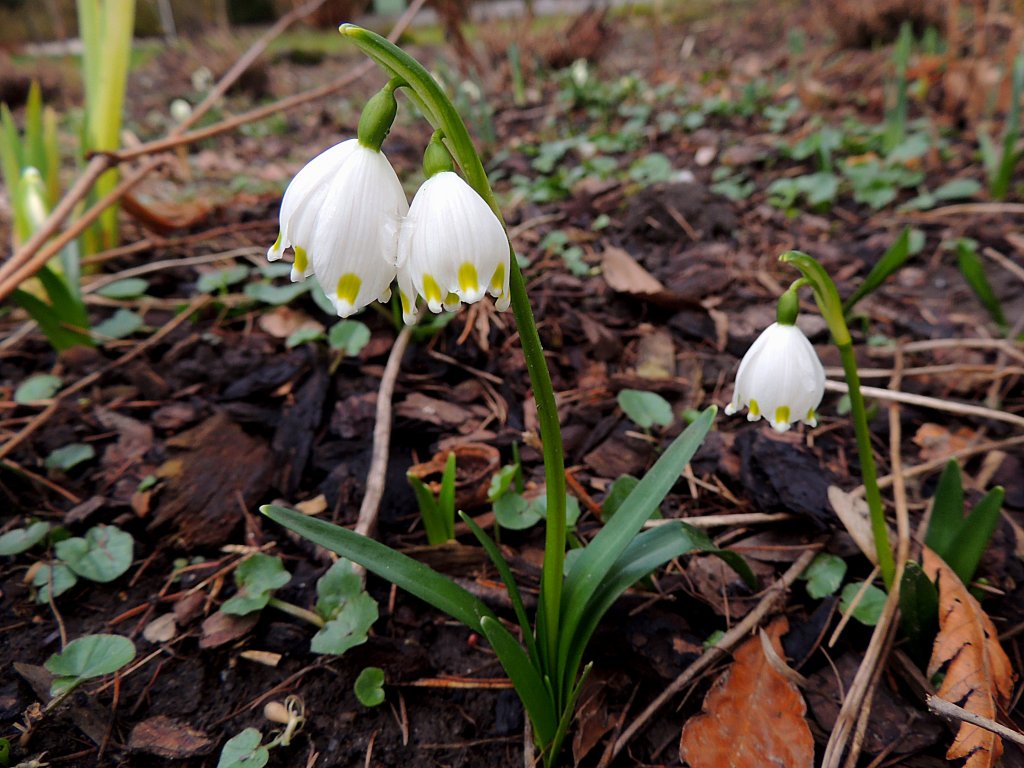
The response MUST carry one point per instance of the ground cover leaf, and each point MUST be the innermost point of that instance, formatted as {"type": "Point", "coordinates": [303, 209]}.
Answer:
{"type": "Point", "coordinates": [978, 673]}
{"type": "Point", "coordinates": [752, 716]}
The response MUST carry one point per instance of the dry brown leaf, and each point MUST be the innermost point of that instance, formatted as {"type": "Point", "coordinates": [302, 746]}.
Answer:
{"type": "Point", "coordinates": [979, 676]}
{"type": "Point", "coordinates": [752, 715]}
{"type": "Point", "coordinates": [166, 737]}
{"type": "Point", "coordinates": [623, 274]}
{"type": "Point", "coordinates": [937, 442]}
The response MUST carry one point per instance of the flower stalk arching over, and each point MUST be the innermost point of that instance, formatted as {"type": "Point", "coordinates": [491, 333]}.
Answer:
{"type": "Point", "coordinates": [827, 297]}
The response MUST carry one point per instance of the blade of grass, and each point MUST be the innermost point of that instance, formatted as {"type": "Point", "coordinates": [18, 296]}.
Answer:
{"type": "Point", "coordinates": [973, 271]}
{"type": "Point", "coordinates": [947, 511]}
{"type": "Point", "coordinates": [974, 534]}
{"type": "Point", "coordinates": [892, 260]}
{"type": "Point", "coordinates": [446, 498]}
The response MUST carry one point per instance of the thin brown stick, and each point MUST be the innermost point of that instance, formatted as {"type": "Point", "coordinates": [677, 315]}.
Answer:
{"type": "Point", "coordinates": [951, 711]}
{"type": "Point", "coordinates": [377, 474]}
{"type": "Point", "coordinates": [92, 378]}
{"type": "Point", "coordinates": [244, 62]}
{"type": "Point", "coordinates": [730, 639]}
{"type": "Point", "coordinates": [935, 403]}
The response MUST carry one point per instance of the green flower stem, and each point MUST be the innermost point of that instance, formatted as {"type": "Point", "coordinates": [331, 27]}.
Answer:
{"type": "Point", "coordinates": [827, 297]}
{"type": "Point", "coordinates": [299, 613]}
{"type": "Point", "coordinates": [443, 116]}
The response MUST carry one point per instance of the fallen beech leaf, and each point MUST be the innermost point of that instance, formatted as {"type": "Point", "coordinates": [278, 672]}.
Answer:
{"type": "Point", "coordinates": [282, 322]}
{"type": "Point", "coordinates": [623, 274]}
{"type": "Point", "coordinates": [979, 676]}
{"type": "Point", "coordinates": [937, 442]}
{"type": "Point", "coordinates": [752, 715]}
{"type": "Point", "coordinates": [166, 737]}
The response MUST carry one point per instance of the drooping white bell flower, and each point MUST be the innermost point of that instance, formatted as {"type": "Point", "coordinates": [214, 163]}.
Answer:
{"type": "Point", "coordinates": [780, 378]}
{"type": "Point", "coordinates": [341, 213]}
{"type": "Point", "coordinates": [451, 248]}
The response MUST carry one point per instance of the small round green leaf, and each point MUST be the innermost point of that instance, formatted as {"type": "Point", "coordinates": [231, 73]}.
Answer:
{"type": "Point", "coordinates": [104, 554]}
{"type": "Point", "coordinates": [256, 579]}
{"type": "Point", "coordinates": [69, 456]}
{"type": "Point", "coordinates": [824, 575]}
{"type": "Point", "coordinates": [349, 336]}
{"type": "Point", "coordinates": [369, 687]}
{"type": "Point", "coordinates": [88, 657]}
{"type": "Point", "coordinates": [244, 751]}
{"type": "Point", "coordinates": [21, 539]}
{"type": "Point", "coordinates": [129, 288]}
{"type": "Point", "coordinates": [869, 607]}
{"type": "Point", "coordinates": [121, 324]}
{"type": "Point", "coordinates": [39, 387]}
{"type": "Point", "coordinates": [349, 628]}
{"type": "Point", "coordinates": [58, 576]}
{"type": "Point", "coordinates": [303, 336]}
{"type": "Point", "coordinates": [212, 282]}
{"type": "Point", "coordinates": [645, 408]}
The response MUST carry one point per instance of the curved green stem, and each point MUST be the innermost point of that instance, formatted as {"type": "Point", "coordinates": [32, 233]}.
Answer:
{"type": "Point", "coordinates": [827, 297]}
{"type": "Point", "coordinates": [443, 116]}
{"type": "Point", "coordinates": [299, 613]}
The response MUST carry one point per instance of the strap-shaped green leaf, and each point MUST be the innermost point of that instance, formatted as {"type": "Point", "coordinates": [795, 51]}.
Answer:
{"type": "Point", "coordinates": [919, 611]}
{"type": "Point", "coordinates": [411, 575]}
{"type": "Point", "coordinates": [974, 535]}
{"type": "Point", "coordinates": [528, 683]}
{"type": "Point", "coordinates": [893, 259]}
{"type": "Point", "coordinates": [594, 564]}
{"type": "Point", "coordinates": [647, 552]}
{"type": "Point", "coordinates": [510, 583]}
{"type": "Point", "coordinates": [947, 511]}
{"type": "Point", "coordinates": [446, 498]}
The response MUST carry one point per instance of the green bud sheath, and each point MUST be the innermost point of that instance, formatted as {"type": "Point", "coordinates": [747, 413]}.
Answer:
{"type": "Point", "coordinates": [788, 308]}
{"type": "Point", "coordinates": [436, 158]}
{"type": "Point", "coordinates": [378, 115]}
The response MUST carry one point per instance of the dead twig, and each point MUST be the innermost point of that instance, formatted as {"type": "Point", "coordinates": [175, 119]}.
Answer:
{"type": "Point", "coordinates": [935, 403]}
{"type": "Point", "coordinates": [377, 474]}
{"type": "Point", "coordinates": [951, 711]}
{"type": "Point", "coordinates": [730, 639]}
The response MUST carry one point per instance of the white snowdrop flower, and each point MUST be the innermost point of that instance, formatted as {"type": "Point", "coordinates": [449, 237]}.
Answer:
{"type": "Point", "coordinates": [341, 213]}
{"type": "Point", "coordinates": [780, 378]}
{"type": "Point", "coordinates": [451, 248]}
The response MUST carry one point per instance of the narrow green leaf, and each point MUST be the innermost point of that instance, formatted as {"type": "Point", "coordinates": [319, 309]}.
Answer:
{"type": "Point", "coordinates": [947, 512]}
{"type": "Point", "coordinates": [973, 271]}
{"type": "Point", "coordinates": [446, 498]}
{"type": "Point", "coordinates": [919, 611]}
{"type": "Point", "coordinates": [35, 151]}
{"type": "Point", "coordinates": [430, 512]}
{"type": "Point", "coordinates": [491, 548]}
{"type": "Point", "coordinates": [647, 552]}
{"type": "Point", "coordinates": [891, 260]}
{"type": "Point", "coordinates": [600, 555]}
{"type": "Point", "coordinates": [974, 534]}
{"type": "Point", "coordinates": [524, 676]}
{"type": "Point", "coordinates": [412, 576]}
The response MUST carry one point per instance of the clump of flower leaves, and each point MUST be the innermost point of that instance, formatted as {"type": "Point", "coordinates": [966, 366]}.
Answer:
{"type": "Point", "coordinates": [444, 259]}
